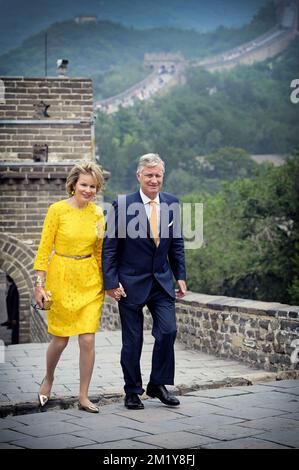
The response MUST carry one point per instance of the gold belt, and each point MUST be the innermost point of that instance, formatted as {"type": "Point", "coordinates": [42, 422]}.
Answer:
{"type": "Point", "coordinates": [73, 257]}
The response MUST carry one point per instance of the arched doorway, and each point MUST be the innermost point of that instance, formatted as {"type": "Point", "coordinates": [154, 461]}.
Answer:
{"type": "Point", "coordinates": [16, 261]}
{"type": "Point", "coordinates": [9, 310]}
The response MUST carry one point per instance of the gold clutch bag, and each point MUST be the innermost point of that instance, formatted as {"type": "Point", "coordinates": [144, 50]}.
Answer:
{"type": "Point", "coordinates": [48, 303]}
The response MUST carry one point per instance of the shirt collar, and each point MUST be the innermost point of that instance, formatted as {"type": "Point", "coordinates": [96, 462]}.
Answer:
{"type": "Point", "coordinates": [146, 199]}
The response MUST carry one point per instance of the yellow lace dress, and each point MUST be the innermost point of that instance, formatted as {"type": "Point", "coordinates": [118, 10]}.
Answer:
{"type": "Point", "coordinates": [76, 284]}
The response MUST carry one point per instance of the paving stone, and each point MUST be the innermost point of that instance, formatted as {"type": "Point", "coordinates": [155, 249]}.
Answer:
{"type": "Point", "coordinates": [102, 435]}
{"type": "Point", "coordinates": [213, 419]}
{"type": "Point", "coordinates": [9, 423]}
{"type": "Point", "coordinates": [247, 443]}
{"type": "Point", "coordinates": [220, 392]}
{"type": "Point", "coordinates": [291, 391]}
{"type": "Point", "coordinates": [225, 433]}
{"type": "Point", "coordinates": [198, 409]}
{"type": "Point", "coordinates": [249, 413]}
{"type": "Point", "coordinates": [97, 421]}
{"type": "Point", "coordinates": [43, 429]}
{"type": "Point", "coordinates": [122, 444]}
{"type": "Point", "coordinates": [273, 423]}
{"type": "Point", "coordinates": [205, 417]}
{"type": "Point", "coordinates": [274, 400]}
{"type": "Point", "coordinates": [62, 441]}
{"type": "Point", "coordinates": [9, 436]}
{"type": "Point", "coordinates": [6, 445]}
{"type": "Point", "coordinates": [176, 440]}
{"type": "Point", "coordinates": [158, 427]}
{"type": "Point", "coordinates": [286, 437]}
{"type": "Point", "coordinates": [22, 397]}
{"type": "Point", "coordinates": [281, 384]}
{"type": "Point", "coordinates": [291, 416]}
{"type": "Point", "coordinates": [147, 414]}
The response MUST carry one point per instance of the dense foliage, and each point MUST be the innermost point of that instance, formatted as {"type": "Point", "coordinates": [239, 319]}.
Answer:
{"type": "Point", "coordinates": [251, 238]}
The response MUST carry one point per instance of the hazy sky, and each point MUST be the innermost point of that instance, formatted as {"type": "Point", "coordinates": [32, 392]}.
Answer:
{"type": "Point", "coordinates": [21, 18]}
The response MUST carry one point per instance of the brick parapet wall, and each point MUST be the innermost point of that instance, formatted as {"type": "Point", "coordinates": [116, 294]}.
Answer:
{"type": "Point", "coordinates": [67, 128]}
{"type": "Point", "coordinates": [257, 333]}
{"type": "Point", "coordinates": [262, 334]}
{"type": "Point", "coordinates": [258, 54]}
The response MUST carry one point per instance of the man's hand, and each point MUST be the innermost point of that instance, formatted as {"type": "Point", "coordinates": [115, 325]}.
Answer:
{"type": "Point", "coordinates": [181, 292]}
{"type": "Point", "coordinates": [117, 293]}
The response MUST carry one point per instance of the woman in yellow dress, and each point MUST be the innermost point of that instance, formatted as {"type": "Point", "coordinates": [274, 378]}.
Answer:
{"type": "Point", "coordinates": [73, 230]}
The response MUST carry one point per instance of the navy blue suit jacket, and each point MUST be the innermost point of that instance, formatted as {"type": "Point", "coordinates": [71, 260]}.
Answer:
{"type": "Point", "coordinates": [136, 261]}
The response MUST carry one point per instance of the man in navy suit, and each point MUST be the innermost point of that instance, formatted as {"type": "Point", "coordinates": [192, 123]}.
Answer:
{"type": "Point", "coordinates": [143, 249]}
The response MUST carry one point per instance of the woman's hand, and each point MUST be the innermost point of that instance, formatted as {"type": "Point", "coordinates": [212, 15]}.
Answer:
{"type": "Point", "coordinates": [117, 293]}
{"type": "Point", "coordinates": [40, 296]}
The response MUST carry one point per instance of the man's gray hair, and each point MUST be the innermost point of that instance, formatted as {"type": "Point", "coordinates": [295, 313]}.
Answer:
{"type": "Point", "coordinates": [151, 160]}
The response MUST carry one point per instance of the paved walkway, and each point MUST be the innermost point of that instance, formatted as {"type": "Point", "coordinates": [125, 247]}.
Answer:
{"type": "Point", "coordinates": [217, 409]}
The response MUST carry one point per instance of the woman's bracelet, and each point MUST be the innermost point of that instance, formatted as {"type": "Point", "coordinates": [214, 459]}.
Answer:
{"type": "Point", "coordinates": [40, 281]}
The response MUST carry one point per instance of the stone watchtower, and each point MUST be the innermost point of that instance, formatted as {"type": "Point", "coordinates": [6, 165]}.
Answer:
{"type": "Point", "coordinates": [46, 125]}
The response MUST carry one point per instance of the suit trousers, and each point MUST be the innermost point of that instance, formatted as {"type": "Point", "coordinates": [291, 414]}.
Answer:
{"type": "Point", "coordinates": [162, 308]}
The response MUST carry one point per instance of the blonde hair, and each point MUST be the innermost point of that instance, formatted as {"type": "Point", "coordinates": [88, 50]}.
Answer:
{"type": "Point", "coordinates": [86, 168]}
{"type": "Point", "coordinates": [149, 160]}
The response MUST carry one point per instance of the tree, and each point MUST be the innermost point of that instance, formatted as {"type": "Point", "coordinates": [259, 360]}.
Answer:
{"type": "Point", "coordinates": [251, 237]}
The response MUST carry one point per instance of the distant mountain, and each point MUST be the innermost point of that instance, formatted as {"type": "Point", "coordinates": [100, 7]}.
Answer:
{"type": "Point", "coordinates": [113, 54]}
{"type": "Point", "coordinates": [22, 18]}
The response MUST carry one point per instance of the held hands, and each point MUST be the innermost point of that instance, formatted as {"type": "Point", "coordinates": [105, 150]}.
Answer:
{"type": "Point", "coordinates": [181, 292]}
{"type": "Point", "coordinates": [117, 293]}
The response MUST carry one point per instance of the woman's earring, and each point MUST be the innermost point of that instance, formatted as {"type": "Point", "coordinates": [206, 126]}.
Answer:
{"type": "Point", "coordinates": [72, 192]}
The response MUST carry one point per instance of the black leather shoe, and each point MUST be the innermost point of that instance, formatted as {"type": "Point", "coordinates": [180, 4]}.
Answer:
{"type": "Point", "coordinates": [161, 392]}
{"type": "Point", "coordinates": [133, 402]}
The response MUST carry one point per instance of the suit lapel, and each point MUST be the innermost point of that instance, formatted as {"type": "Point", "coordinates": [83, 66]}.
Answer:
{"type": "Point", "coordinates": [165, 219]}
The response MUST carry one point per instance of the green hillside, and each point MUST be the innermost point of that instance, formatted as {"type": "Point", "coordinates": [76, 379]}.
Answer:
{"type": "Point", "coordinates": [112, 54]}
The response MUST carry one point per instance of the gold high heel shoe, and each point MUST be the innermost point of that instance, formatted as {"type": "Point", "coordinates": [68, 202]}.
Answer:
{"type": "Point", "coordinates": [89, 408]}
{"type": "Point", "coordinates": [43, 399]}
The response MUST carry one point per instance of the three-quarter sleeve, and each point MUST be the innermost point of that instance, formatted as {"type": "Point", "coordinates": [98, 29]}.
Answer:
{"type": "Point", "coordinates": [47, 240]}
{"type": "Point", "coordinates": [97, 249]}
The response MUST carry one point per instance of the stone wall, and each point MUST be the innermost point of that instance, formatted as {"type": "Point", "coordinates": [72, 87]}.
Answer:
{"type": "Point", "coordinates": [259, 54]}
{"type": "Point", "coordinates": [258, 333]}
{"type": "Point", "coordinates": [261, 334]}
{"type": "Point", "coordinates": [57, 112]}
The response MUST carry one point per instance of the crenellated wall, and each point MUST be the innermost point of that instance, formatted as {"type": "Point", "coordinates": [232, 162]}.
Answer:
{"type": "Point", "coordinates": [262, 334]}
{"type": "Point", "coordinates": [57, 112]}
